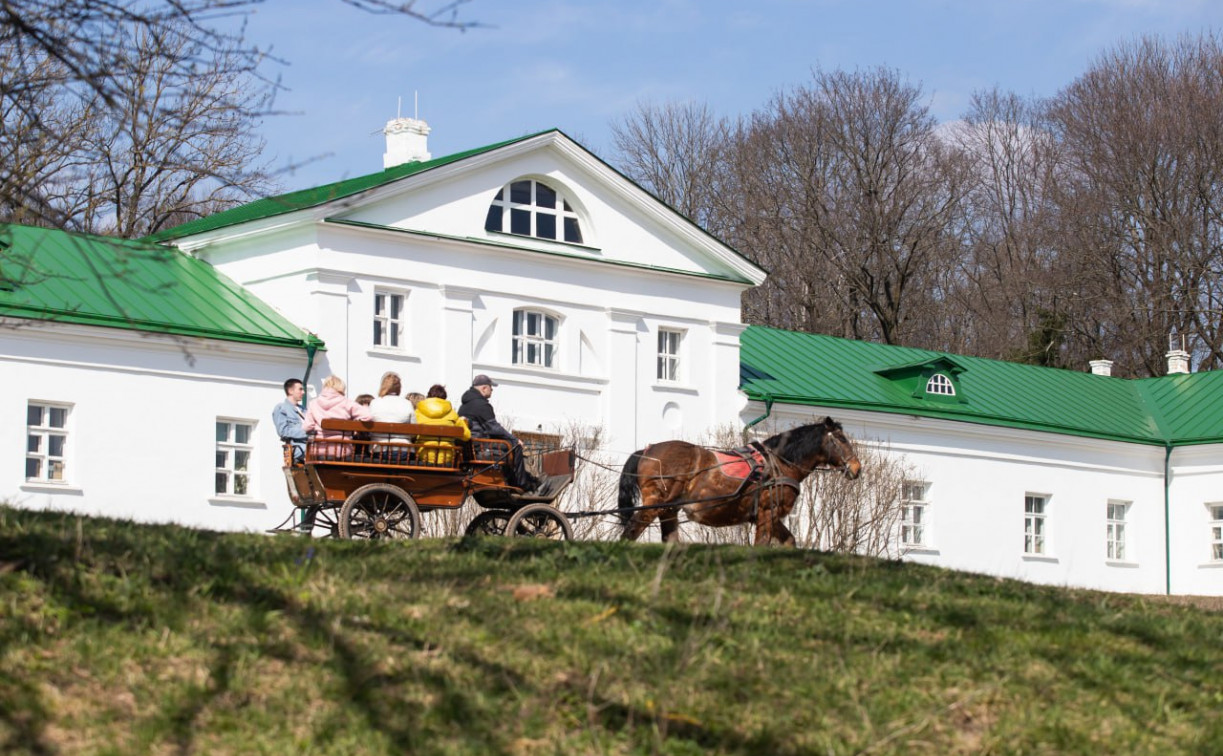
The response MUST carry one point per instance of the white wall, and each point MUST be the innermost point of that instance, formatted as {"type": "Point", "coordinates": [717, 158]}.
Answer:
{"type": "Point", "coordinates": [141, 441]}
{"type": "Point", "coordinates": [978, 477]}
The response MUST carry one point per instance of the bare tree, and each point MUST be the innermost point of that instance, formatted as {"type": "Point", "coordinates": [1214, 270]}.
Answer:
{"type": "Point", "coordinates": [1141, 198]}
{"type": "Point", "coordinates": [1004, 289]}
{"type": "Point", "coordinates": [848, 197]}
{"type": "Point", "coordinates": [676, 151]}
{"type": "Point", "coordinates": [179, 151]}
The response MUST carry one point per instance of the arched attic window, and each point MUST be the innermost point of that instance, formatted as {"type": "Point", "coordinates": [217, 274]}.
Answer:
{"type": "Point", "coordinates": [940, 385]}
{"type": "Point", "coordinates": [527, 207]}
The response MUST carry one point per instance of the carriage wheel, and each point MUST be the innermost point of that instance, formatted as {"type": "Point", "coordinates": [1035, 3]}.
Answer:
{"type": "Point", "coordinates": [539, 521]}
{"type": "Point", "coordinates": [379, 510]}
{"type": "Point", "coordinates": [490, 522]}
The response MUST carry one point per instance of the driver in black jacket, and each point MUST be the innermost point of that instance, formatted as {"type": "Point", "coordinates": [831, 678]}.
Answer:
{"type": "Point", "coordinates": [482, 419]}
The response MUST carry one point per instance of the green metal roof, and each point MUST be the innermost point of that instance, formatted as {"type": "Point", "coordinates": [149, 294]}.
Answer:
{"type": "Point", "coordinates": [48, 274]}
{"type": "Point", "coordinates": [810, 369]}
{"type": "Point", "coordinates": [321, 195]}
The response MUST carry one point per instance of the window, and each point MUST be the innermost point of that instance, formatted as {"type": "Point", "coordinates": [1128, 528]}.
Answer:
{"type": "Point", "coordinates": [913, 514]}
{"type": "Point", "coordinates": [531, 208]}
{"type": "Point", "coordinates": [940, 385]}
{"type": "Point", "coordinates": [1034, 524]}
{"type": "Point", "coordinates": [1115, 529]}
{"type": "Point", "coordinates": [534, 338]}
{"type": "Point", "coordinates": [234, 448]}
{"type": "Point", "coordinates": [668, 354]}
{"type": "Point", "coordinates": [46, 442]}
{"type": "Point", "coordinates": [388, 320]}
{"type": "Point", "coordinates": [1216, 532]}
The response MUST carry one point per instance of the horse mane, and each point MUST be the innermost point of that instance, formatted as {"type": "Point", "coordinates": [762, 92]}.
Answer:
{"type": "Point", "coordinates": [801, 442]}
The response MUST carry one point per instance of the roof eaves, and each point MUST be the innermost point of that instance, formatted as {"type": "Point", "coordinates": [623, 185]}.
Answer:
{"type": "Point", "coordinates": [318, 196]}
{"type": "Point", "coordinates": [522, 248]}
{"type": "Point", "coordinates": [951, 415]}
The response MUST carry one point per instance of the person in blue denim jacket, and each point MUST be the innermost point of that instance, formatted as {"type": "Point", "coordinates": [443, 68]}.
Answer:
{"type": "Point", "coordinates": [287, 416]}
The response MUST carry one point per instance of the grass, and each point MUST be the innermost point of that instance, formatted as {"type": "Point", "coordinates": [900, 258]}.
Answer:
{"type": "Point", "coordinates": [123, 638]}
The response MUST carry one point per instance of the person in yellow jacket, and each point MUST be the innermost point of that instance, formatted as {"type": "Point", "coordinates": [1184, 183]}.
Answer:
{"type": "Point", "coordinates": [435, 409]}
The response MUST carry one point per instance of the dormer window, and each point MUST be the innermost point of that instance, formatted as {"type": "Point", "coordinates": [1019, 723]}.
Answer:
{"type": "Point", "coordinates": [532, 208]}
{"type": "Point", "coordinates": [940, 385]}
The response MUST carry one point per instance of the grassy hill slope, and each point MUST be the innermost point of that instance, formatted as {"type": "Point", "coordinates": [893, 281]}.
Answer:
{"type": "Point", "coordinates": [121, 638]}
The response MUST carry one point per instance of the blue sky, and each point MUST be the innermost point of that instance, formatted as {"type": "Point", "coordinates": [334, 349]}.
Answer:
{"type": "Point", "coordinates": [579, 65]}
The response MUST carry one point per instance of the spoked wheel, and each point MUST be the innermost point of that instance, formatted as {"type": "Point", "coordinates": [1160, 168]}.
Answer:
{"type": "Point", "coordinates": [490, 522]}
{"type": "Point", "coordinates": [379, 510]}
{"type": "Point", "coordinates": [539, 521]}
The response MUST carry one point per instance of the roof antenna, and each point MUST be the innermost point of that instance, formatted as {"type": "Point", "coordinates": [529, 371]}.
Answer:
{"type": "Point", "coordinates": [416, 104]}
{"type": "Point", "coordinates": [399, 108]}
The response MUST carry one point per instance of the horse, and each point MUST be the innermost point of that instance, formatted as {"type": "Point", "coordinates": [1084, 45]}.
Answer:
{"type": "Point", "coordinates": [694, 479]}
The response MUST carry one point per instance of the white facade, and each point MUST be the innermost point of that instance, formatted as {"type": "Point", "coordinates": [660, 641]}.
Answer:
{"type": "Point", "coordinates": [422, 239]}
{"type": "Point", "coordinates": [137, 418]}
{"type": "Point", "coordinates": [978, 478]}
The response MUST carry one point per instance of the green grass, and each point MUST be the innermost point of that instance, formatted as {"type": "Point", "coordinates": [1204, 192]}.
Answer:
{"type": "Point", "coordinates": [122, 638]}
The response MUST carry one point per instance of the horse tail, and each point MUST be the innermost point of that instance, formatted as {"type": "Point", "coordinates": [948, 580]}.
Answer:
{"type": "Point", "coordinates": [630, 491]}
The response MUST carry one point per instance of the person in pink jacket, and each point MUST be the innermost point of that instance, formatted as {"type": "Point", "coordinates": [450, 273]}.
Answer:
{"type": "Point", "coordinates": [332, 403]}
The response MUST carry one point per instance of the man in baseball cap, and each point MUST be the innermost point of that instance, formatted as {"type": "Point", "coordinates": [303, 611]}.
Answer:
{"type": "Point", "coordinates": [483, 422]}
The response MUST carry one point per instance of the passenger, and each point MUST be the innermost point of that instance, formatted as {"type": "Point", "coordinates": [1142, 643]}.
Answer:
{"type": "Point", "coordinates": [437, 410]}
{"type": "Point", "coordinates": [332, 404]}
{"type": "Point", "coordinates": [483, 421]}
{"type": "Point", "coordinates": [390, 407]}
{"type": "Point", "coordinates": [363, 451]}
{"type": "Point", "coordinates": [287, 417]}
{"type": "Point", "coordinates": [415, 398]}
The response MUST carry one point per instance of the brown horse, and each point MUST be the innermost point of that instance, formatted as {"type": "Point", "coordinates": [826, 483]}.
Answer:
{"type": "Point", "coordinates": [693, 478]}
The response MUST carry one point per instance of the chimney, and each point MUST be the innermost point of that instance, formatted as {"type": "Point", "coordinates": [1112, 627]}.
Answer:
{"type": "Point", "coordinates": [406, 142]}
{"type": "Point", "coordinates": [1178, 361]}
{"type": "Point", "coordinates": [1101, 367]}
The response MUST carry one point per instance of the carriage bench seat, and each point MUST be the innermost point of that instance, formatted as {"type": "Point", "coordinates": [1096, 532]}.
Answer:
{"type": "Point", "coordinates": [348, 427]}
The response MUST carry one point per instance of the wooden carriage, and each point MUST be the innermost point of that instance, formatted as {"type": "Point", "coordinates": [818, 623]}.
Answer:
{"type": "Point", "coordinates": [374, 480]}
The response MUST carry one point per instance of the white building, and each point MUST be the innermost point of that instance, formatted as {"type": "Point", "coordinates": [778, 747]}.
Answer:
{"type": "Point", "coordinates": [1053, 476]}
{"type": "Point", "coordinates": [139, 384]}
{"type": "Point", "coordinates": [592, 304]}
{"type": "Point", "coordinates": [532, 261]}
{"type": "Point", "coordinates": [132, 365]}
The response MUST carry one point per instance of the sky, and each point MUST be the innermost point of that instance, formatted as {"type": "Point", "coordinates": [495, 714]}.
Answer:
{"type": "Point", "coordinates": [582, 65]}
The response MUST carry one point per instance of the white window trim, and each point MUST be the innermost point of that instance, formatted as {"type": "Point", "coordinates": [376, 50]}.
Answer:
{"type": "Point", "coordinates": [676, 359]}
{"type": "Point", "coordinates": [540, 340]}
{"type": "Point", "coordinates": [1046, 549]}
{"type": "Point", "coordinates": [504, 200]}
{"type": "Point", "coordinates": [64, 483]}
{"type": "Point", "coordinates": [940, 385]}
{"type": "Point", "coordinates": [1214, 514]}
{"type": "Point", "coordinates": [386, 291]}
{"type": "Point", "coordinates": [907, 505]}
{"type": "Point", "coordinates": [251, 463]}
{"type": "Point", "coordinates": [1112, 526]}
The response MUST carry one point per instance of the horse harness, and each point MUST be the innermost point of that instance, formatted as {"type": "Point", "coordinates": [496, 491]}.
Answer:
{"type": "Point", "coordinates": [762, 471]}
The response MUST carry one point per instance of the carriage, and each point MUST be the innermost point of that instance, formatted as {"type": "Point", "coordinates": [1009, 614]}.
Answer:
{"type": "Point", "coordinates": [370, 480]}
{"type": "Point", "coordinates": [373, 481]}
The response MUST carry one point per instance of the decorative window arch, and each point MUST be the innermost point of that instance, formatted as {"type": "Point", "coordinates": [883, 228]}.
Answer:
{"type": "Point", "coordinates": [940, 385]}
{"type": "Point", "coordinates": [527, 207]}
{"type": "Point", "coordinates": [535, 338]}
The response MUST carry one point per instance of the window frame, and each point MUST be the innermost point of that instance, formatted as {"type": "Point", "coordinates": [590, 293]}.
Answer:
{"type": "Point", "coordinates": [1214, 511]}
{"type": "Point", "coordinates": [504, 209]}
{"type": "Point", "coordinates": [940, 384]}
{"type": "Point", "coordinates": [231, 446]}
{"type": "Point", "coordinates": [672, 360]}
{"type": "Point", "coordinates": [909, 504]}
{"type": "Point", "coordinates": [1116, 536]}
{"type": "Point", "coordinates": [398, 332]}
{"type": "Point", "coordinates": [521, 344]}
{"type": "Point", "coordinates": [45, 432]}
{"type": "Point", "coordinates": [1036, 525]}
